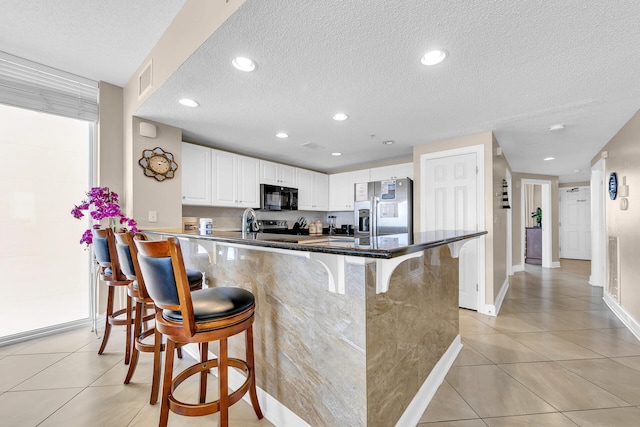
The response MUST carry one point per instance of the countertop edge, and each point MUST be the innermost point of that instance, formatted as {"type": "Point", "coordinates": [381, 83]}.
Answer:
{"type": "Point", "coordinates": [385, 253]}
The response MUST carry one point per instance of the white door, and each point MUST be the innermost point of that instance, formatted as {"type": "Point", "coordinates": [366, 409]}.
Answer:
{"type": "Point", "coordinates": [575, 223]}
{"type": "Point", "coordinates": [451, 205]}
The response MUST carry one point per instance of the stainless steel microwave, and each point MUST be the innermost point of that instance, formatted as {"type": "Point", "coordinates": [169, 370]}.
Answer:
{"type": "Point", "coordinates": [277, 198]}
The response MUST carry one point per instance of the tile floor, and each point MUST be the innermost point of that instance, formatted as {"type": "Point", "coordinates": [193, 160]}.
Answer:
{"type": "Point", "coordinates": [556, 356]}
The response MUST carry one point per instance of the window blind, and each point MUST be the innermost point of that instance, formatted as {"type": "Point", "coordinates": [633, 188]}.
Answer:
{"type": "Point", "coordinates": [33, 86]}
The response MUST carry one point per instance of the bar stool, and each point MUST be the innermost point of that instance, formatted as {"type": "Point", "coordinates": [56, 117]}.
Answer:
{"type": "Point", "coordinates": [128, 258]}
{"type": "Point", "coordinates": [212, 314]}
{"type": "Point", "coordinates": [106, 256]}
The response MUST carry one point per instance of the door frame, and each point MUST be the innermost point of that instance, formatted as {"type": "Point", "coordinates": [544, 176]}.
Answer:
{"type": "Point", "coordinates": [598, 225]}
{"type": "Point", "coordinates": [478, 150]}
{"type": "Point", "coordinates": [547, 261]}
{"type": "Point", "coordinates": [509, 180]}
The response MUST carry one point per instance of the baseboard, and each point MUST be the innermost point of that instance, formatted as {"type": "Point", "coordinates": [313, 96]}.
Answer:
{"type": "Point", "coordinates": [632, 324]}
{"type": "Point", "coordinates": [555, 264]}
{"type": "Point", "coordinates": [274, 411]}
{"type": "Point", "coordinates": [421, 400]}
{"type": "Point", "coordinates": [500, 299]}
{"type": "Point", "coordinates": [494, 309]}
{"type": "Point", "coordinates": [518, 267]}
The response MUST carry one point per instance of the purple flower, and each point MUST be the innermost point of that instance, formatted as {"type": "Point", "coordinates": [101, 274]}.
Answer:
{"type": "Point", "coordinates": [101, 203]}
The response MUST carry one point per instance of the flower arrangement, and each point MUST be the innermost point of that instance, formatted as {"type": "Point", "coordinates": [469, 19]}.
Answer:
{"type": "Point", "coordinates": [101, 203]}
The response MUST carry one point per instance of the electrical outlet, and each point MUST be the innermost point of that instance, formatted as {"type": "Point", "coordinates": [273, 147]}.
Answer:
{"type": "Point", "coordinates": [153, 216]}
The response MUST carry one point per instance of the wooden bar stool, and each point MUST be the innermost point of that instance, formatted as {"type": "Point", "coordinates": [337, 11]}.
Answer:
{"type": "Point", "coordinates": [128, 258]}
{"type": "Point", "coordinates": [106, 256]}
{"type": "Point", "coordinates": [212, 314]}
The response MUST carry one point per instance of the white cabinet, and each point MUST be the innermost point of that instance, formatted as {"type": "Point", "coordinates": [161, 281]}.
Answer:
{"type": "Point", "coordinates": [248, 182]}
{"type": "Point", "coordinates": [313, 190]}
{"type": "Point", "coordinates": [402, 170]}
{"type": "Point", "coordinates": [196, 175]}
{"type": "Point", "coordinates": [341, 189]}
{"type": "Point", "coordinates": [277, 174]}
{"type": "Point", "coordinates": [234, 180]}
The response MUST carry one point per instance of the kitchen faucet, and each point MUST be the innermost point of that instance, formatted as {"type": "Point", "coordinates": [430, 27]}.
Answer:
{"type": "Point", "coordinates": [249, 222]}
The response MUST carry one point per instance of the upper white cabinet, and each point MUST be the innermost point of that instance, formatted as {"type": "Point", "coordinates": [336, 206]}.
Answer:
{"type": "Point", "coordinates": [341, 189]}
{"type": "Point", "coordinates": [235, 180]}
{"type": "Point", "coordinates": [313, 190]}
{"type": "Point", "coordinates": [196, 175]}
{"type": "Point", "coordinates": [218, 178]}
{"type": "Point", "coordinates": [248, 182]}
{"type": "Point", "coordinates": [402, 170]}
{"type": "Point", "coordinates": [277, 174]}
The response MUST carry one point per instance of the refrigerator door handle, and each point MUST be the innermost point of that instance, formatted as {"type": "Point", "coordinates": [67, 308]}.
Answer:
{"type": "Point", "coordinates": [374, 217]}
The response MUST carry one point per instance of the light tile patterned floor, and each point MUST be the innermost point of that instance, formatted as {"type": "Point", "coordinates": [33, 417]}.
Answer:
{"type": "Point", "coordinates": [62, 381]}
{"type": "Point", "coordinates": [555, 356]}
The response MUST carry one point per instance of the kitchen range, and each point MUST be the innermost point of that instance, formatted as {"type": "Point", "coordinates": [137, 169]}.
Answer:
{"type": "Point", "coordinates": [301, 227]}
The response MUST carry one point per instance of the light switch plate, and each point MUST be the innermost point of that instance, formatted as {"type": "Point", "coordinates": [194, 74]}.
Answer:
{"type": "Point", "coordinates": [153, 216]}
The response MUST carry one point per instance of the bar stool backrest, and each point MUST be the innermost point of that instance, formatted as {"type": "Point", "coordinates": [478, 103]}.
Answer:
{"type": "Point", "coordinates": [165, 277]}
{"type": "Point", "coordinates": [128, 258]}
{"type": "Point", "coordinates": [104, 248]}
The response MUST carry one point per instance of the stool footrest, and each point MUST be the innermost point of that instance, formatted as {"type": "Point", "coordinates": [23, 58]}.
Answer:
{"type": "Point", "coordinates": [198, 409]}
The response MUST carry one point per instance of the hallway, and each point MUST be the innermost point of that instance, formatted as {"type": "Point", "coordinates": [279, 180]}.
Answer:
{"type": "Point", "coordinates": [555, 356]}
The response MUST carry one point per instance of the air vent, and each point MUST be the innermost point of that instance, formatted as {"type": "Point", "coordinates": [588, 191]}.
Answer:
{"type": "Point", "coordinates": [313, 146]}
{"type": "Point", "coordinates": [145, 80]}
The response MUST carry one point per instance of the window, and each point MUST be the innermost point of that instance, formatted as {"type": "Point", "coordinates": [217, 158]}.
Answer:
{"type": "Point", "coordinates": [44, 170]}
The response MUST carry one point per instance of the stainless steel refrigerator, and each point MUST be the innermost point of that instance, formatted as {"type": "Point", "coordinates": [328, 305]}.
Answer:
{"type": "Point", "coordinates": [383, 207]}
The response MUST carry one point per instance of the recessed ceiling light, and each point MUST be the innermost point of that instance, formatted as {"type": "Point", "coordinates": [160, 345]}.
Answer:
{"type": "Point", "coordinates": [339, 117]}
{"type": "Point", "coordinates": [556, 128]}
{"type": "Point", "coordinates": [336, 154]}
{"type": "Point", "coordinates": [244, 64]}
{"type": "Point", "coordinates": [576, 171]}
{"type": "Point", "coordinates": [546, 159]}
{"type": "Point", "coordinates": [282, 135]}
{"type": "Point", "coordinates": [389, 142]}
{"type": "Point", "coordinates": [188, 102]}
{"type": "Point", "coordinates": [434, 57]}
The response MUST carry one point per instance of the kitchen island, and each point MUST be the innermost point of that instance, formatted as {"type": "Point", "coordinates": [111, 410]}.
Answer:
{"type": "Point", "coordinates": [348, 332]}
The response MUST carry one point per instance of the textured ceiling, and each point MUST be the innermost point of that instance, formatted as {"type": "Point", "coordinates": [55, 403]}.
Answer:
{"type": "Point", "coordinates": [514, 68]}
{"type": "Point", "coordinates": [99, 40]}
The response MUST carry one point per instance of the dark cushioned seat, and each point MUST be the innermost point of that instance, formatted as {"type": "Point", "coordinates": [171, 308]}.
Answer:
{"type": "Point", "coordinates": [215, 303]}
{"type": "Point", "coordinates": [194, 277]}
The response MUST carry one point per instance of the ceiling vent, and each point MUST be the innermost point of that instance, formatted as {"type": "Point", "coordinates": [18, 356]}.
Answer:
{"type": "Point", "coordinates": [313, 146]}
{"type": "Point", "coordinates": [145, 79]}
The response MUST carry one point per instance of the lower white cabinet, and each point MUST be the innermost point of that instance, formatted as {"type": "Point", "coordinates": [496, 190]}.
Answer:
{"type": "Point", "coordinates": [341, 189]}
{"type": "Point", "coordinates": [313, 190]}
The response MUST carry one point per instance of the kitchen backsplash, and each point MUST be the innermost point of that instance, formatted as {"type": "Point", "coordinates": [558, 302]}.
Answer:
{"type": "Point", "coordinates": [229, 218]}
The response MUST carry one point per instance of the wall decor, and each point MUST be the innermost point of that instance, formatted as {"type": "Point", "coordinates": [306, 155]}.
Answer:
{"type": "Point", "coordinates": [505, 195]}
{"type": "Point", "coordinates": [158, 164]}
{"type": "Point", "coordinates": [613, 186]}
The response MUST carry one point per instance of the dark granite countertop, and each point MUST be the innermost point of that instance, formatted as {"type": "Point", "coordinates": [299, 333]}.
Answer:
{"type": "Point", "coordinates": [384, 247]}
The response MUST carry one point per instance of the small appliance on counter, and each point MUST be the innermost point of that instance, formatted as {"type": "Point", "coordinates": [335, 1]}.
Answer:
{"type": "Point", "coordinates": [206, 226]}
{"type": "Point", "coordinates": [190, 225]}
{"type": "Point", "coordinates": [383, 207]}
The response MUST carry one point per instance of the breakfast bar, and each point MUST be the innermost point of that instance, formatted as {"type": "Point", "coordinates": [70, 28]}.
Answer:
{"type": "Point", "coordinates": [348, 331]}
